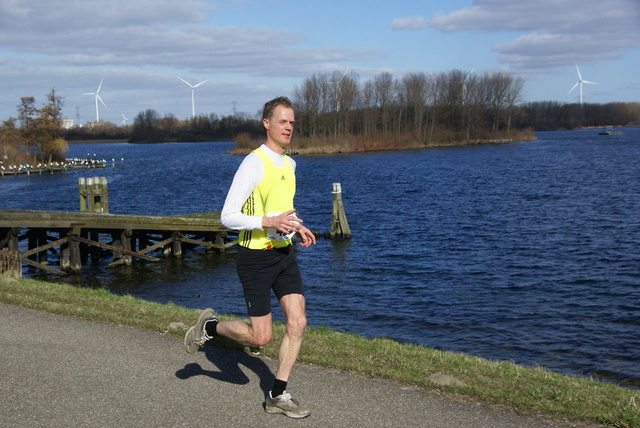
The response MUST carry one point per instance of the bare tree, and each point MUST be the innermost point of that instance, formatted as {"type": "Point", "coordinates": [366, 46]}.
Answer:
{"type": "Point", "coordinates": [383, 97]}
{"type": "Point", "coordinates": [438, 96]}
{"type": "Point", "coordinates": [10, 140]}
{"type": "Point", "coordinates": [346, 93]}
{"type": "Point", "coordinates": [498, 86]}
{"type": "Point", "coordinates": [414, 93]}
{"type": "Point", "coordinates": [308, 100]}
{"type": "Point", "coordinates": [514, 97]}
{"type": "Point", "coordinates": [26, 111]}
{"type": "Point", "coordinates": [368, 107]}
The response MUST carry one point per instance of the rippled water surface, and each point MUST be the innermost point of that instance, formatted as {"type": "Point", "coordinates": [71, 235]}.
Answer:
{"type": "Point", "coordinates": [527, 252]}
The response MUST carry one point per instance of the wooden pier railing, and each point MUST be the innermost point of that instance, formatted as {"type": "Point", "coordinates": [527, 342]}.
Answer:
{"type": "Point", "coordinates": [73, 238]}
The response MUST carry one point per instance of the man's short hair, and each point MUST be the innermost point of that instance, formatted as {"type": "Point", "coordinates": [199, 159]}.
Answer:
{"type": "Point", "coordinates": [270, 106]}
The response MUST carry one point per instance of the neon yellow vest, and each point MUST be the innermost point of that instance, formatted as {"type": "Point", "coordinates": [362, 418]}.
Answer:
{"type": "Point", "coordinates": [274, 195]}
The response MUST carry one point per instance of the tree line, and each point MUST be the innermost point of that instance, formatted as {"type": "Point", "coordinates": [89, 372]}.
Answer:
{"type": "Point", "coordinates": [150, 127]}
{"type": "Point", "coordinates": [338, 112]}
{"type": "Point", "coordinates": [416, 109]}
{"type": "Point", "coordinates": [419, 104]}
{"type": "Point", "coordinates": [552, 115]}
{"type": "Point", "coordinates": [438, 108]}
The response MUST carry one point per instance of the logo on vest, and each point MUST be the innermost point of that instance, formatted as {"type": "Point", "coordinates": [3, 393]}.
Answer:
{"type": "Point", "coordinates": [283, 178]}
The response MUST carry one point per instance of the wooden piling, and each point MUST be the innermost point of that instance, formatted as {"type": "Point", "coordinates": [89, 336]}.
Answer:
{"type": "Point", "coordinates": [64, 257]}
{"type": "Point", "coordinates": [339, 224]}
{"type": "Point", "coordinates": [10, 264]}
{"type": "Point", "coordinates": [94, 195]}
{"type": "Point", "coordinates": [125, 239]}
{"type": "Point", "coordinates": [177, 244]}
{"type": "Point", "coordinates": [75, 261]}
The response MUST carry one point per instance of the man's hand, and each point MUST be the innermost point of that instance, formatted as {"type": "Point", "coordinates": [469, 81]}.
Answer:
{"type": "Point", "coordinates": [287, 223]}
{"type": "Point", "coordinates": [306, 235]}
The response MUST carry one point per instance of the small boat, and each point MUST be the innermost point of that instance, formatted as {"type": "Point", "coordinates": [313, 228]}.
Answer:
{"type": "Point", "coordinates": [609, 131]}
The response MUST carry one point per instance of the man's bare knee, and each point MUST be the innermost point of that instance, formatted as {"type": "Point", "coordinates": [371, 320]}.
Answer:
{"type": "Point", "coordinates": [262, 340]}
{"type": "Point", "coordinates": [296, 327]}
{"type": "Point", "coordinates": [261, 330]}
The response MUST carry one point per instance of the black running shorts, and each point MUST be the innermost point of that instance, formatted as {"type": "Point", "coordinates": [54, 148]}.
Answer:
{"type": "Point", "coordinates": [261, 271]}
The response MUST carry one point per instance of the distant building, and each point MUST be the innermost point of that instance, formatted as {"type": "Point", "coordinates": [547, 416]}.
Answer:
{"type": "Point", "coordinates": [67, 123]}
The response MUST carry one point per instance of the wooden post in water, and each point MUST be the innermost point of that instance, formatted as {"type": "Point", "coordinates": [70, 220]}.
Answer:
{"type": "Point", "coordinates": [94, 196]}
{"type": "Point", "coordinates": [75, 262]}
{"type": "Point", "coordinates": [125, 238]}
{"type": "Point", "coordinates": [36, 239]}
{"type": "Point", "coordinates": [339, 224]}
{"type": "Point", "coordinates": [177, 245]}
{"type": "Point", "coordinates": [94, 251]}
{"type": "Point", "coordinates": [65, 259]}
{"type": "Point", "coordinates": [10, 264]}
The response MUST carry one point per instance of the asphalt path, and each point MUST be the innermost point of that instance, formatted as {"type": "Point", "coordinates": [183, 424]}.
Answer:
{"type": "Point", "coordinates": [57, 371]}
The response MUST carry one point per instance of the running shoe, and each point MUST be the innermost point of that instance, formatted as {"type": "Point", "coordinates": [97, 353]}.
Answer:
{"type": "Point", "coordinates": [196, 335]}
{"type": "Point", "coordinates": [287, 405]}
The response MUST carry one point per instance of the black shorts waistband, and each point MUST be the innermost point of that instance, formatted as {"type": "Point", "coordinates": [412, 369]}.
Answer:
{"type": "Point", "coordinates": [284, 250]}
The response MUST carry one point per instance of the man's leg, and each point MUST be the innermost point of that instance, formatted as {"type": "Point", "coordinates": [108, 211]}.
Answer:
{"type": "Point", "coordinates": [257, 333]}
{"type": "Point", "coordinates": [293, 307]}
{"type": "Point", "coordinates": [296, 321]}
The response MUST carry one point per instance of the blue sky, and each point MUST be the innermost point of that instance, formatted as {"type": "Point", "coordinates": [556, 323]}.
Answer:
{"type": "Point", "coordinates": [253, 50]}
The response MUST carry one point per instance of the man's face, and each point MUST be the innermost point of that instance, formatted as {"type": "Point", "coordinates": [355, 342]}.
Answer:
{"type": "Point", "coordinates": [280, 126]}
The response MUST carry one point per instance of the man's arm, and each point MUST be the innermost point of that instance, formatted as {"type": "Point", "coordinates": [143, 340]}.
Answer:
{"type": "Point", "coordinates": [247, 177]}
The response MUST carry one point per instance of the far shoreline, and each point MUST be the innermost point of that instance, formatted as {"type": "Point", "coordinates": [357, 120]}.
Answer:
{"type": "Point", "coordinates": [95, 141]}
{"type": "Point", "coordinates": [321, 151]}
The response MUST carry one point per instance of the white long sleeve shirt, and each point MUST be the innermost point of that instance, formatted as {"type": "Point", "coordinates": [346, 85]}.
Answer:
{"type": "Point", "coordinates": [247, 178]}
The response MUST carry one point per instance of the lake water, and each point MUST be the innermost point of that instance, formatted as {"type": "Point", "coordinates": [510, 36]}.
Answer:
{"type": "Point", "coordinates": [527, 252]}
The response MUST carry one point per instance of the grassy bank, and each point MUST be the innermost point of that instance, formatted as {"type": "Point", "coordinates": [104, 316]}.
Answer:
{"type": "Point", "coordinates": [96, 141]}
{"type": "Point", "coordinates": [351, 143]}
{"type": "Point", "coordinates": [504, 384]}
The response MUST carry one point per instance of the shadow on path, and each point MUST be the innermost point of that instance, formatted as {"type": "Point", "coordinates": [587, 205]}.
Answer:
{"type": "Point", "coordinates": [228, 363]}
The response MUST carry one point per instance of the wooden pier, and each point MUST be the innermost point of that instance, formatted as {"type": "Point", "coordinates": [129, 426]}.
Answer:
{"type": "Point", "coordinates": [51, 167]}
{"type": "Point", "coordinates": [74, 238]}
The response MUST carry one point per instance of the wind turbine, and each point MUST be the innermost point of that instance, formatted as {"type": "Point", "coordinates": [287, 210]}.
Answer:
{"type": "Point", "coordinates": [193, 87]}
{"type": "Point", "coordinates": [124, 120]}
{"type": "Point", "coordinates": [337, 85]}
{"type": "Point", "coordinates": [579, 83]}
{"type": "Point", "coordinates": [464, 100]}
{"type": "Point", "coordinates": [464, 87]}
{"type": "Point", "coordinates": [97, 95]}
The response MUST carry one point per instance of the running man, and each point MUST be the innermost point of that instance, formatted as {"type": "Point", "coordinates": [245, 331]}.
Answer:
{"type": "Point", "coordinates": [260, 205]}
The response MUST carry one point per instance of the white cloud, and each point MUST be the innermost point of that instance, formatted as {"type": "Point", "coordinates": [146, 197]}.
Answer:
{"type": "Point", "coordinates": [155, 33]}
{"type": "Point", "coordinates": [144, 44]}
{"type": "Point", "coordinates": [556, 33]}
{"type": "Point", "coordinates": [63, 15]}
{"type": "Point", "coordinates": [414, 23]}
{"type": "Point", "coordinates": [13, 9]}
